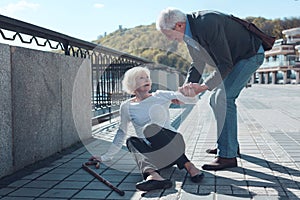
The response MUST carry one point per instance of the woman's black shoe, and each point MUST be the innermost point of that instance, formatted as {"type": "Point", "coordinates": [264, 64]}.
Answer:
{"type": "Point", "coordinates": [197, 178]}
{"type": "Point", "coordinates": [153, 185]}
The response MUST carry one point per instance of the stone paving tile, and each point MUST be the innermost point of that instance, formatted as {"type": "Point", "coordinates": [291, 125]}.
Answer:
{"type": "Point", "coordinates": [53, 177]}
{"type": "Point", "coordinates": [72, 185]}
{"type": "Point", "coordinates": [190, 196]}
{"type": "Point", "coordinates": [41, 184]}
{"type": "Point", "coordinates": [27, 192]}
{"type": "Point", "coordinates": [32, 176]}
{"type": "Point", "coordinates": [92, 194]}
{"type": "Point", "coordinates": [5, 191]}
{"type": "Point", "coordinates": [60, 193]}
{"type": "Point", "coordinates": [206, 189]}
{"type": "Point", "coordinates": [18, 183]}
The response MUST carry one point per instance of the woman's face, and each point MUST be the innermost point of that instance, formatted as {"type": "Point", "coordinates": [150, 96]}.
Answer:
{"type": "Point", "coordinates": [143, 82]}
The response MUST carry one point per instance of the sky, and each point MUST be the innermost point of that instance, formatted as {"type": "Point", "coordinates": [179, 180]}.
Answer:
{"type": "Point", "coordinates": [88, 19]}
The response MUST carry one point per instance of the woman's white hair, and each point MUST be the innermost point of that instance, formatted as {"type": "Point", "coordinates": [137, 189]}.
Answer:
{"type": "Point", "coordinates": [168, 18]}
{"type": "Point", "coordinates": [129, 80]}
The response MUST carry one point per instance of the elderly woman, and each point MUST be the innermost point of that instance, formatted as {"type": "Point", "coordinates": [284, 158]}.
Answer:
{"type": "Point", "coordinates": [157, 145]}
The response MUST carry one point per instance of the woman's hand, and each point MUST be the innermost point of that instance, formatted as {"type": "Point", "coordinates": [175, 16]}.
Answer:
{"type": "Point", "coordinates": [94, 161]}
{"type": "Point", "coordinates": [176, 101]}
{"type": "Point", "coordinates": [187, 90]}
{"type": "Point", "coordinates": [192, 89]}
{"type": "Point", "coordinates": [95, 158]}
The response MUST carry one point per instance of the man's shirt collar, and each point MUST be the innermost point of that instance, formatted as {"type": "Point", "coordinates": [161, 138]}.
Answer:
{"type": "Point", "coordinates": [188, 37]}
{"type": "Point", "coordinates": [187, 32]}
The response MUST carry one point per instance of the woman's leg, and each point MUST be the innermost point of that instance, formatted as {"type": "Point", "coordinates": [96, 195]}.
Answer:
{"type": "Point", "coordinates": [138, 147]}
{"type": "Point", "coordinates": [168, 147]}
{"type": "Point", "coordinates": [152, 179]}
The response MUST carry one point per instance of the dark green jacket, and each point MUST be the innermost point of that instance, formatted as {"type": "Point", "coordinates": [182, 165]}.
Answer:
{"type": "Point", "coordinates": [221, 43]}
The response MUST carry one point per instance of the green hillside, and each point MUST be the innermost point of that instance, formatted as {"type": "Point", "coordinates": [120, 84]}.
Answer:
{"type": "Point", "coordinates": [147, 42]}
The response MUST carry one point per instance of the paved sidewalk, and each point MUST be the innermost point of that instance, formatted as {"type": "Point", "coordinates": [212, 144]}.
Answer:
{"type": "Point", "coordinates": [269, 167]}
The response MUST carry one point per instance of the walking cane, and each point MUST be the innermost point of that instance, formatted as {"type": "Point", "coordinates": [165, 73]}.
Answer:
{"type": "Point", "coordinates": [100, 178]}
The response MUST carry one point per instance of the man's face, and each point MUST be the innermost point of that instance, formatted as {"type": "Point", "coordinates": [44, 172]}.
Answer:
{"type": "Point", "coordinates": [177, 33]}
{"type": "Point", "coordinates": [173, 35]}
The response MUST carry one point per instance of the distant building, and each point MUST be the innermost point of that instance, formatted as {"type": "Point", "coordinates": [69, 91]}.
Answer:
{"type": "Point", "coordinates": [164, 77]}
{"type": "Point", "coordinates": [282, 63]}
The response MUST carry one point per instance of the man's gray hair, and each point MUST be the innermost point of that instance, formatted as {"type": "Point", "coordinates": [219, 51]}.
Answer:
{"type": "Point", "coordinates": [168, 18]}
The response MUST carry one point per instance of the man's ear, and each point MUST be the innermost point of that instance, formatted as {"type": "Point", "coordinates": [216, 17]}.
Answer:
{"type": "Point", "coordinates": [180, 25]}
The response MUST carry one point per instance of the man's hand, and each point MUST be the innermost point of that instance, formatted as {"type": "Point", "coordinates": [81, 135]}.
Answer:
{"type": "Point", "coordinates": [187, 90]}
{"type": "Point", "coordinates": [192, 89]}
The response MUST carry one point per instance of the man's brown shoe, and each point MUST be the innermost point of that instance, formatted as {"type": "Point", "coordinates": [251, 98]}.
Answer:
{"type": "Point", "coordinates": [221, 163]}
{"type": "Point", "coordinates": [214, 151]}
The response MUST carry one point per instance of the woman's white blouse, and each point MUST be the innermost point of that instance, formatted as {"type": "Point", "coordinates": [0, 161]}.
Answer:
{"type": "Point", "coordinates": [154, 109]}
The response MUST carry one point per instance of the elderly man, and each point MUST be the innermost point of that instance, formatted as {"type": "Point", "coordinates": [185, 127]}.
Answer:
{"type": "Point", "coordinates": [235, 53]}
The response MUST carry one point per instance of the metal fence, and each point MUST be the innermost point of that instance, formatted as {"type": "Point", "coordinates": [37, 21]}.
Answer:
{"type": "Point", "coordinates": [108, 65]}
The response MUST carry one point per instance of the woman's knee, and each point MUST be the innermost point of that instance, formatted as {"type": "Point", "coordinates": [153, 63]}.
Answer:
{"type": "Point", "coordinates": [131, 142]}
{"type": "Point", "coordinates": [182, 142]}
{"type": "Point", "coordinates": [151, 130]}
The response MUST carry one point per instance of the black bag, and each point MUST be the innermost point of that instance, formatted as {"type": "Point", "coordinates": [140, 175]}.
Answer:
{"type": "Point", "coordinates": [267, 40]}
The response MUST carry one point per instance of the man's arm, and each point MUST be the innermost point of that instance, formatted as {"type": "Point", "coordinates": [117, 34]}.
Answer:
{"type": "Point", "coordinates": [193, 75]}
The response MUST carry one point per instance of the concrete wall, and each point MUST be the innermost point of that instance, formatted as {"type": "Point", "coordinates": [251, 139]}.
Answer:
{"type": "Point", "coordinates": [6, 150]}
{"type": "Point", "coordinates": [40, 98]}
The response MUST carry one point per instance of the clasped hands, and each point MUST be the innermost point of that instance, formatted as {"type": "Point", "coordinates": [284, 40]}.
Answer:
{"type": "Point", "coordinates": [192, 89]}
